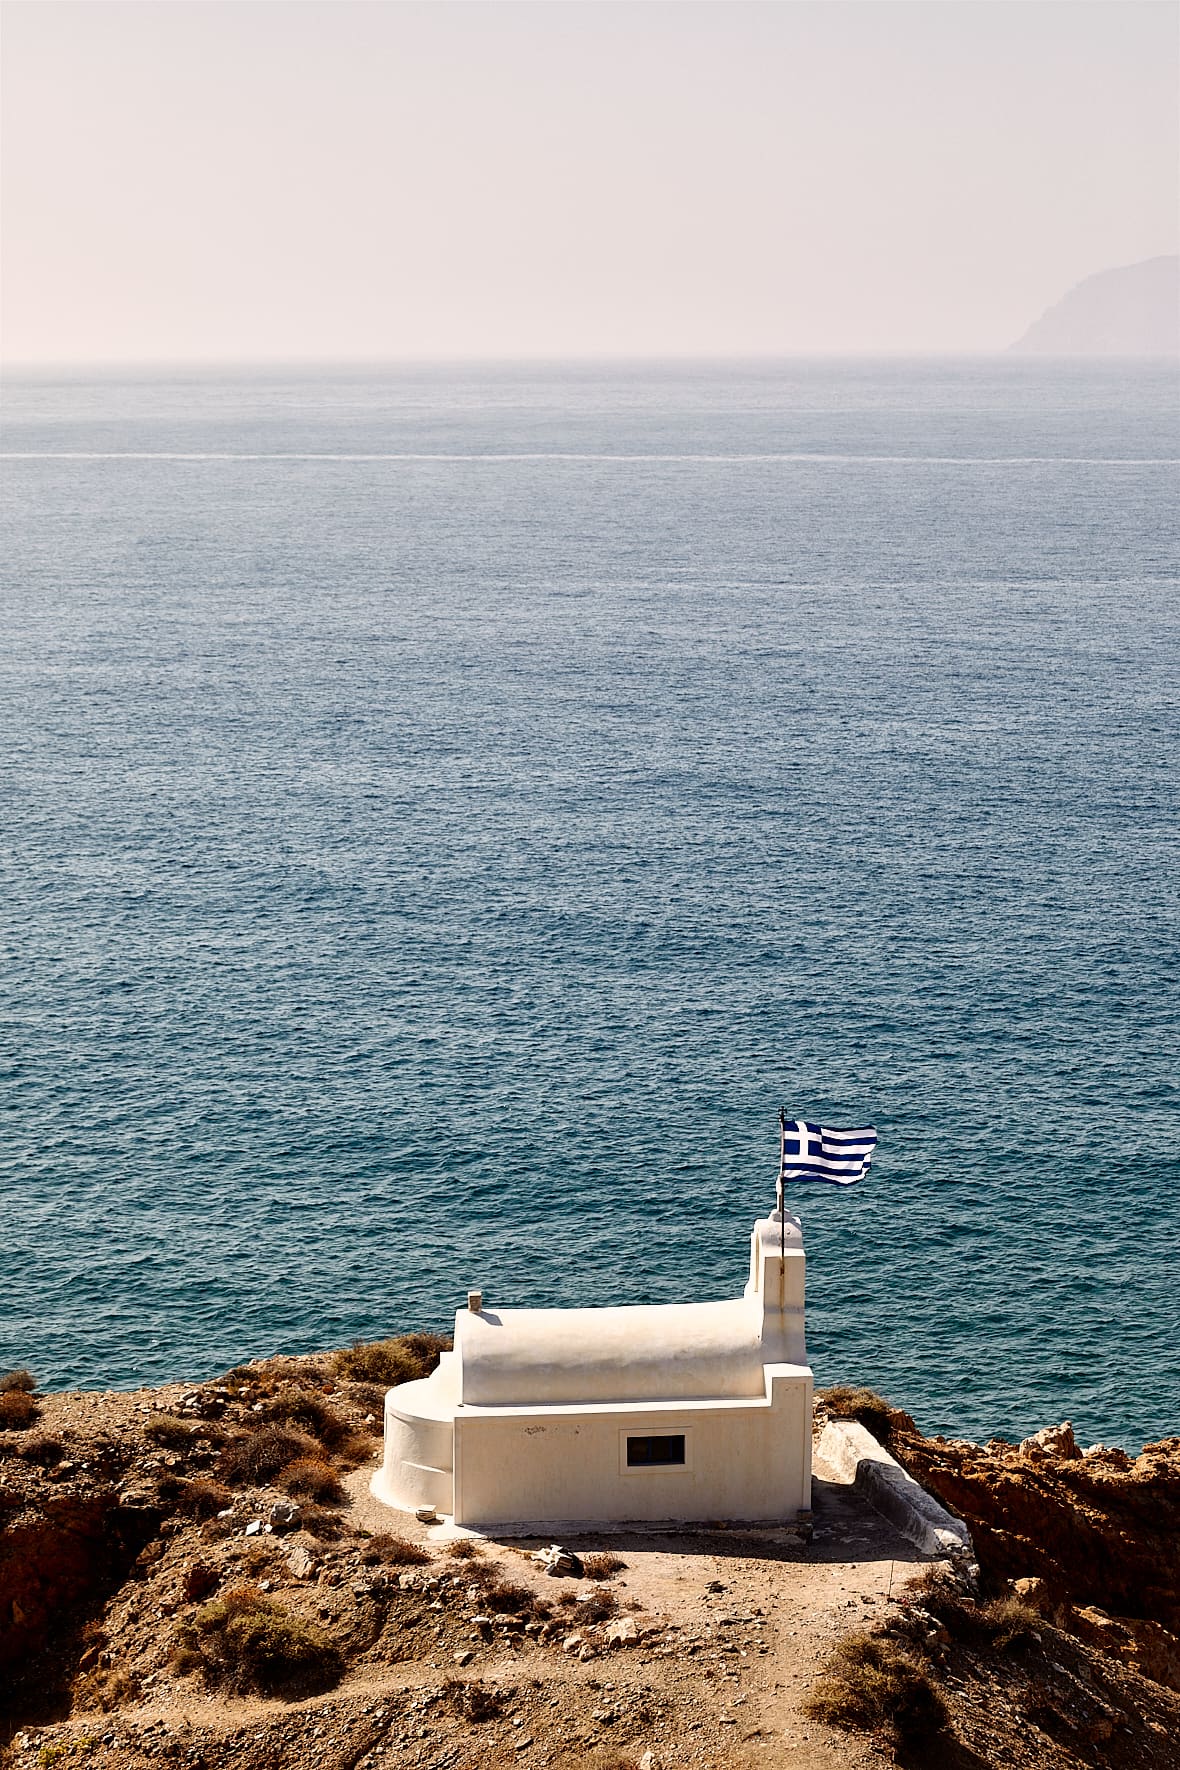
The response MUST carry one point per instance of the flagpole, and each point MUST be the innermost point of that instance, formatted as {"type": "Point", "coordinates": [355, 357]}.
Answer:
{"type": "Point", "coordinates": [782, 1189]}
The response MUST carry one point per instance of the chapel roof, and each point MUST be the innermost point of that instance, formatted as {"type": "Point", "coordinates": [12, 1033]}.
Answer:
{"type": "Point", "coordinates": [664, 1352]}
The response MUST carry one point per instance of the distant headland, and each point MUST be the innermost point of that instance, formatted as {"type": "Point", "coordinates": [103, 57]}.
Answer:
{"type": "Point", "coordinates": [1131, 311]}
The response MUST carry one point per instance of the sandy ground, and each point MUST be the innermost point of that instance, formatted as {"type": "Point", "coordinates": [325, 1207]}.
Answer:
{"type": "Point", "coordinates": [740, 1622]}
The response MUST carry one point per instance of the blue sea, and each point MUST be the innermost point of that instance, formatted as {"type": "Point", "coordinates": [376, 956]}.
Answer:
{"type": "Point", "coordinates": [446, 811]}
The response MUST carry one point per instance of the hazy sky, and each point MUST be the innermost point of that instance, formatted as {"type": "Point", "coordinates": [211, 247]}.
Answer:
{"type": "Point", "coordinates": [273, 178]}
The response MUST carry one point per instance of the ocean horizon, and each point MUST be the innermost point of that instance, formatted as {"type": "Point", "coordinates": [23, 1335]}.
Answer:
{"type": "Point", "coordinates": [449, 808]}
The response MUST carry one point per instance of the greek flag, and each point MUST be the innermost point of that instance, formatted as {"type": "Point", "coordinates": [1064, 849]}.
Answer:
{"type": "Point", "coordinates": [813, 1152]}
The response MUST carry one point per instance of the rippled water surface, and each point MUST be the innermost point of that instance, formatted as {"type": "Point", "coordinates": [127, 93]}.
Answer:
{"type": "Point", "coordinates": [444, 813]}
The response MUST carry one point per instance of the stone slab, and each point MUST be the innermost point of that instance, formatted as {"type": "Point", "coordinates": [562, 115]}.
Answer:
{"type": "Point", "coordinates": [855, 1455]}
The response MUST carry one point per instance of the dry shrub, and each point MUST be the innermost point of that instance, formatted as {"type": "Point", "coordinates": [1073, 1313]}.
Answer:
{"type": "Point", "coordinates": [872, 1684]}
{"type": "Point", "coordinates": [257, 1456]}
{"type": "Point", "coordinates": [847, 1402]}
{"type": "Point", "coordinates": [372, 1397]}
{"type": "Point", "coordinates": [598, 1607]}
{"type": "Point", "coordinates": [356, 1449]}
{"type": "Point", "coordinates": [1010, 1622]}
{"type": "Point", "coordinates": [17, 1410]}
{"type": "Point", "coordinates": [472, 1700]}
{"type": "Point", "coordinates": [105, 1689]}
{"type": "Point", "coordinates": [199, 1580]}
{"type": "Point", "coordinates": [45, 1451]}
{"type": "Point", "coordinates": [932, 1581]}
{"type": "Point", "coordinates": [400, 1360]}
{"type": "Point", "coordinates": [394, 1551]}
{"type": "Point", "coordinates": [185, 1659]}
{"type": "Point", "coordinates": [327, 1526]}
{"type": "Point", "coordinates": [464, 1548]}
{"type": "Point", "coordinates": [171, 1432]}
{"type": "Point", "coordinates": [17, 1382]}
{"type": "Point", "coordinates": [1005, 1622]}
{"type": "Point", "coordinates": [601, 1566]}
{"type": "Point", "coordinates": [310, 1371]}
{"type": "Point", "coordinates": [200, 1498]}
{"type": "Point", "coordinates": [311, 1478]}
{"type": "Point", "coordinates": [501, 1595]}
{"type": "Point", "coordinates": [258, 1554]}
{"type": "Point", "coordinates": [249, 1642]}
{"type": "Point", "coordinates": [216, 1530]}
{"type": "Point", "coordinates": [307, 1413]}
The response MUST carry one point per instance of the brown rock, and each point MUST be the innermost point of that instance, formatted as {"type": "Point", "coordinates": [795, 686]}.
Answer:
{"type": "Point", "coordinates": [1051, 1441]}
{"type": "Point", "coordinates": [1096, 1533]}
{"type": "Point", "coordinates": [1150, 1650]}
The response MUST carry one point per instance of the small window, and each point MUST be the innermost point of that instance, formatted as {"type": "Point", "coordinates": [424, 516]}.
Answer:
{"type": "Point", "coordinates": [650, 1453]}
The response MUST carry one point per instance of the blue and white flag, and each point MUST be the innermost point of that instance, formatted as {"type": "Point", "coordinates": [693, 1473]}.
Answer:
{"type": "Point", "coordinates": [813, 1152]}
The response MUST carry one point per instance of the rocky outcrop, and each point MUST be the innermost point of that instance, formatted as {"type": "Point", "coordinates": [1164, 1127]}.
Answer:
{"type": "Point", "coordinates": [72, 1548]}
{"type": "Point", "coordinates": [1148, 1649]}
{"type": "Point", "coordinates": [1092, 1537]}
{"type": "Point", "coordinates": [1101, 1528]}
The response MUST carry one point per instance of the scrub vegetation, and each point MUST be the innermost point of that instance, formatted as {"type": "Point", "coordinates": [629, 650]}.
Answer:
{"type": "Point", "coordinates": [464, 1548]}
{"type": "Point", "coordinates": [403, 1359]}
{"type": "Point", "coordinates": [248, 1642]}
{"type": "Point", "coordinates": [311, 1478]}
{"type": "Point", "coordinates": [172, 1433]}
{"type": "Point", "coordinates": [872, 1684]}
{"type": "Point", "coordinates": [394, 1551]}
{"type": "Point", "coordinates": [603, 1564]}
{"type": "Point", "coordinates": [258, 1456]}
{"type": "Point", "coordinates": [306, 1412]}
{"type": "Point", "coordinates": [855, 1402]}
{"type": "Point", "coordinates": [165, 1554]}
{"type": "Point", "coordinates": [17, 1410]}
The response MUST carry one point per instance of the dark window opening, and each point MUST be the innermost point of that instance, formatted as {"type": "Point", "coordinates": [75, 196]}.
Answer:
{"type": "Point", "coordinates": [648, 1453]}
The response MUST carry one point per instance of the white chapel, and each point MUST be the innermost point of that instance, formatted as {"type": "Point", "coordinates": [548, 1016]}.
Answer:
{"type": "Point", "coordinates": [685, 1412]}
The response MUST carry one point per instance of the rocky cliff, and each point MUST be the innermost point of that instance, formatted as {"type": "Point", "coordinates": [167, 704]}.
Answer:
{"type": "Point", "coordinates": [1091, 1536]}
